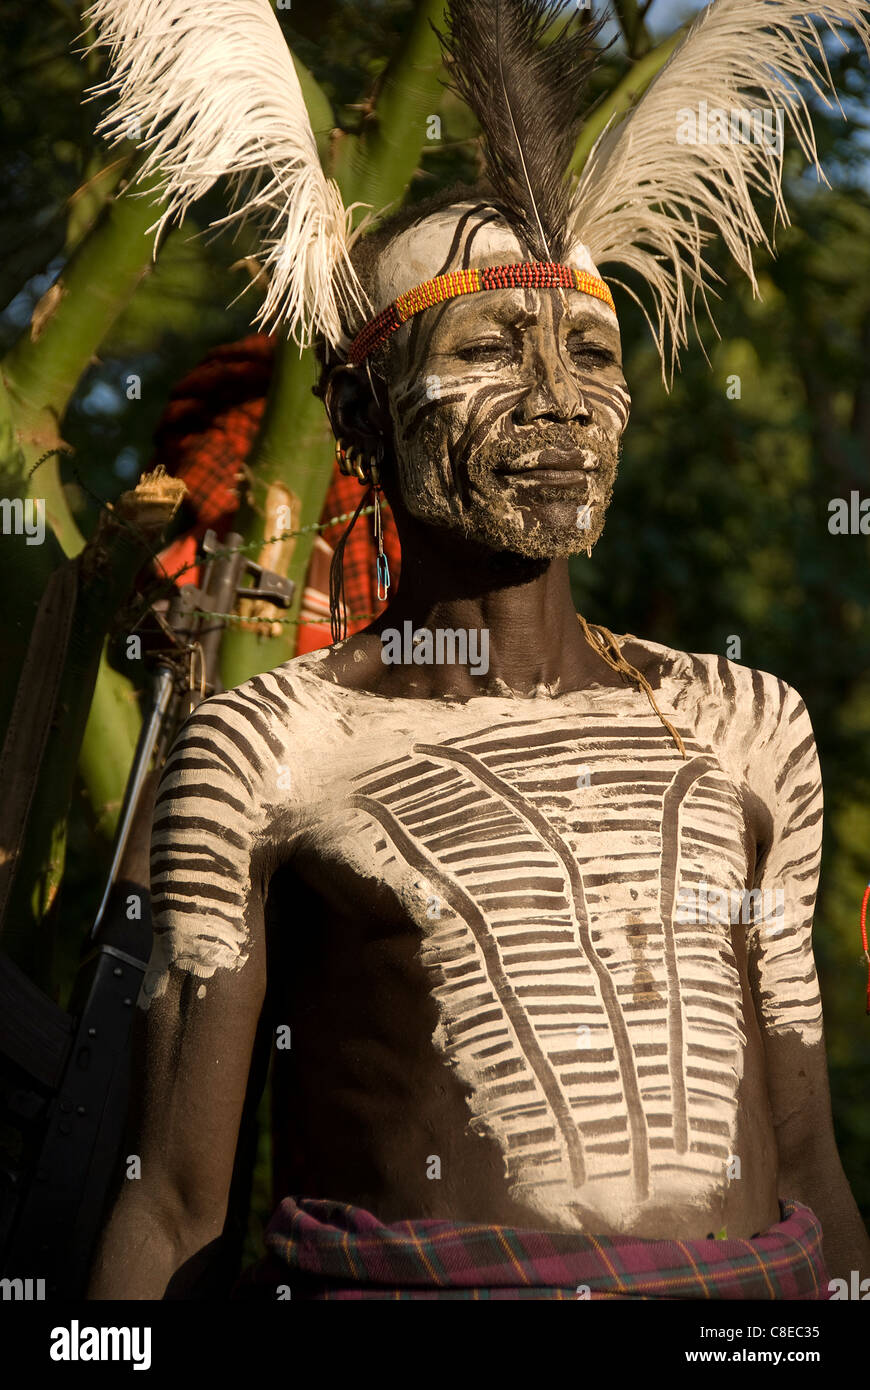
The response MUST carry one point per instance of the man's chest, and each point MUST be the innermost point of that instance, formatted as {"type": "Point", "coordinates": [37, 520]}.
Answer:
{"type": "Point", "coordinates": [582, 826]}
{"type": "Point", "coordinates": [498, 888]}
{"type": "Point", "coordinates": [550, 869]}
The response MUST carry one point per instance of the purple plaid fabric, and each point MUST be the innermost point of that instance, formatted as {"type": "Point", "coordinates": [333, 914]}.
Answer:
{"type": "Point", "coordinates": [328, 1250]}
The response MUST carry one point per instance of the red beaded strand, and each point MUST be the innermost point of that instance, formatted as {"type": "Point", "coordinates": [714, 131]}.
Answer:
{"type": "Point", "coordinates": [525, 275]}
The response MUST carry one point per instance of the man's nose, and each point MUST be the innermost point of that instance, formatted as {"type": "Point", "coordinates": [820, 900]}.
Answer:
{"type": "Point", "coordinates": [553, 393]}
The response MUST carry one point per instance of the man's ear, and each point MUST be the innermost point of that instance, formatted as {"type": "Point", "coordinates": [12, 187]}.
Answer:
{"type": "Point", "coordinates": [356, 414]}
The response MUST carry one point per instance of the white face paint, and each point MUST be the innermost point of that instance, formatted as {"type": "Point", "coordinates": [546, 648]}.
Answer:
{"type": "Point", "coordinates": [507, 405]}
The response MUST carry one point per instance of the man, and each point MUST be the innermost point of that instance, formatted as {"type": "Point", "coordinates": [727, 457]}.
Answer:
{"type": "Point", "coordinates": [463, 890]}
{"type": "Point", "coordinates": [521, 910]}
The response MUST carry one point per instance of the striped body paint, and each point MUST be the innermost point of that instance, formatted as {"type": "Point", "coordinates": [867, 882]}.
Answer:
{"type": "Point", "coordinates": [537, 849]}
{"type": "Point", "coordinates": [484, 388]}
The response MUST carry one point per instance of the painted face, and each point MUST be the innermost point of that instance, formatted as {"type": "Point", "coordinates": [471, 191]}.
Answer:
{"type": "Point", "coordinates": [508, 406]}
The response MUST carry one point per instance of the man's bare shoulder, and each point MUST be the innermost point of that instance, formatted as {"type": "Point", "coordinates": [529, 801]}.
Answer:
{"type": "Point", "coordinates": [267, 706]}
{"type": "Point", "coordinates": [744, 713]}
{"type": "Point", "coordinates": [240, 753]}
{"type": "Point", "coordinates": [233, 786]}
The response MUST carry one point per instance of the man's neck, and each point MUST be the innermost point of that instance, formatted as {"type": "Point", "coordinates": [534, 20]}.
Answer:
{"type": "Point", "coordinates": [518, 615]}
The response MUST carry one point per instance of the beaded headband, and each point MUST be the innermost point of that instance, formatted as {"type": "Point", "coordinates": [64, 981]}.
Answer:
{"type": "Point", "coordinates": [525, 275]}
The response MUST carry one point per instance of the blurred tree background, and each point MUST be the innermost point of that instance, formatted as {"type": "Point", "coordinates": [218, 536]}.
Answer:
{"type": "Point", "coordinates": [719, 528]}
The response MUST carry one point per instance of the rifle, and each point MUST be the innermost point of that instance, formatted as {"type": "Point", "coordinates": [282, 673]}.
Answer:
{"type": "Point", "coordinates": [65, 1072]}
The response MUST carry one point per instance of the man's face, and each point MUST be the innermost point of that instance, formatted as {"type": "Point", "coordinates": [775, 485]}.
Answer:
{"type": "Point", "coordinates": [508, 406]}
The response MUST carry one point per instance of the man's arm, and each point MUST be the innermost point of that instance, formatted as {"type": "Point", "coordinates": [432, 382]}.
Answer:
{"type": "Point", "coordinates": [786, 993]}
{"type": "Point", "coordinates": [204, 991]}
{"type": "Point", "coordinates": [191, 1065]}
{"type": "Point", "coordinates": [810, 1170]}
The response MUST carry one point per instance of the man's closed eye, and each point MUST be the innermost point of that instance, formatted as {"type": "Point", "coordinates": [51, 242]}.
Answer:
{"type": "Point", "coordinates": [591, 353]}
{"type": "Point", "coordinates": [483, 352]}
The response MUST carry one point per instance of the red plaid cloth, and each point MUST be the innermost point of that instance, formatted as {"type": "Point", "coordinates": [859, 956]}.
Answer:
{"type": "Point", "coordinates": [328, 1250]}
{"type": "Point", "coordinates": [205, 436]}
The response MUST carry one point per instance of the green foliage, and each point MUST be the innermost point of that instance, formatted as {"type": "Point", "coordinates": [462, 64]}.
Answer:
{"type": "Point", "coordinates": [46, 135]}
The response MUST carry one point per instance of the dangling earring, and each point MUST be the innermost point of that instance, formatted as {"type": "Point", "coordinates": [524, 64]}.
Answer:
{"type": "Point", "coordinates": [589, 552]}
{"type": "Point", "coordinates": [352, 463]}
{"type": "Point", "coordinates": [337, 604]}
{"type": "Point", "coordinates": [382, 564]}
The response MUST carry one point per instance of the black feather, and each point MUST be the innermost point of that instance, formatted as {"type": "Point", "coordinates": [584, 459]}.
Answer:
{"type": "Point", "coordinates": [527, 87]}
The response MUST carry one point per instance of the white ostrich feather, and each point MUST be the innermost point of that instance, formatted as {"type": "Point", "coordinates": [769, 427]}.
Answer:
{"type": "Point", "coordinates": [651, 204]}
{"type": "Point", "coordinates": [213, 91]}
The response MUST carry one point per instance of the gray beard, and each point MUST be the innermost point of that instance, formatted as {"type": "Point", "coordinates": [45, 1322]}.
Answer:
{"type": "Point", "coordinates": [471, 500]}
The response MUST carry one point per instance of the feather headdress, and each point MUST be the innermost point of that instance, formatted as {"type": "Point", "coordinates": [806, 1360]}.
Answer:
{"type": "Point", "coordinates": [526, 85]}
{"type": "Point", "coordinates": [649, 202]}
{"type": "Point", "coordinates": [214, 92]}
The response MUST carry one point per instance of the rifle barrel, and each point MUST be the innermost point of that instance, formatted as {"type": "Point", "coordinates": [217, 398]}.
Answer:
{"type": "Point", "coordinates": [163, 687]}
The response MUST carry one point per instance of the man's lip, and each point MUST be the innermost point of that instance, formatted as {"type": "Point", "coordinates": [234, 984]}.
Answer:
{"type": "Point", "coordinates": [575, 461]}
{"type": "Point", "coordinates": [561, 477]}
{"type": "Point", "coordinates": [567, 460]}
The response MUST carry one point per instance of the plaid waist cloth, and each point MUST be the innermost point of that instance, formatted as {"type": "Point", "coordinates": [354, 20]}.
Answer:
{"type": "Point", "coordinates": [328, 1250]}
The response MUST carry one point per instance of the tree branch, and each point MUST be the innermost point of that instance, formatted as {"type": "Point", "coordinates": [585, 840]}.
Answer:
{"type": "Point", "coordinates": [294, 445]}
{"type": "Point", "coordinates": [624, 95]}
{"type": "Point", "coordinates": [42, 370]}
{"type": "Point", "coordinates": [634, 31]}
{"type": "Point", "coordinates": [378, 165]}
